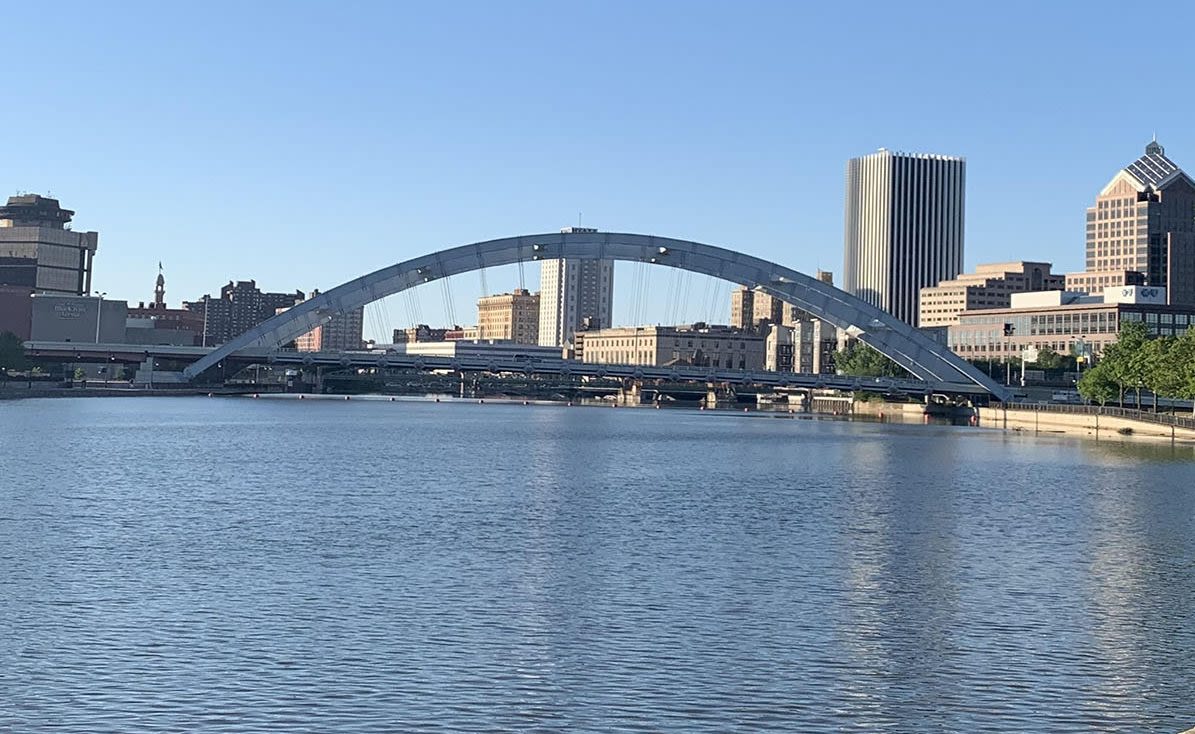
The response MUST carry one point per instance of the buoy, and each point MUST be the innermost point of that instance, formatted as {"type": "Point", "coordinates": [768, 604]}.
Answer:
{"type": "Point", "coordinates": [392, 400]}
{"type": "Point", "coordinates": [300, 397]}
{"type": "Point", "coordinates": [255, 396]}
{"type": "Point", "coordinates": [881, 415]}
{"type": "Point", "coordinates": [524, 402]}
{"type": "Point", "coordinates": [437, 399]}
{"type": "Point", "coordinates": [657, 406]}
{"type": "Point", "coordinates": [209, 395]}
{"type": "Point", "coordinates": [346, 397]}
{"type": "Point", "coordinates": [479, 402]}
{"type": "Point", "coordinates": [569, 404]}
{"type": "Point", "coordinates": [746, 410]}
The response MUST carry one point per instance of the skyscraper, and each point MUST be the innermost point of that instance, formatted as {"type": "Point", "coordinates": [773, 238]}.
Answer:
{"type": "Point", "coordinates": [1141, 230]}
{"type": "Point", "coordinates": [903, 227]}
{"type": "Point", "coordinates": [573, 293]}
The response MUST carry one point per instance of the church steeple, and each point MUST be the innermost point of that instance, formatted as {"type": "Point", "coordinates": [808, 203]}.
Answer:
{"type": "Point", "coordinates": [160, 289]}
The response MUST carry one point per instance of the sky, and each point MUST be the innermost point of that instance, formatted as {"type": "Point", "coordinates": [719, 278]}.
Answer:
{"type": "Point", "coordinates": [302, 144]}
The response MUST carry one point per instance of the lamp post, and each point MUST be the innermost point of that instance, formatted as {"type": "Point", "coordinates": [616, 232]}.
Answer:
{"type": "Point", "coordinates": [99, 310]}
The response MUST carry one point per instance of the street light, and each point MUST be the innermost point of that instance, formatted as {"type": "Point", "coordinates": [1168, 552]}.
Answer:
{"type": "Point", "coordinates": [99, 309]}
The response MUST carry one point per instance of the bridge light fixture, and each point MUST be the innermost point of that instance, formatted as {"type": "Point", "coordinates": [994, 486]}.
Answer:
{"type": "Point", "coordinates": [653, 260]}
{"type": "Point", "coordinates": [537, 248]}
{"type": "Point", "coordinates": [663, 250]}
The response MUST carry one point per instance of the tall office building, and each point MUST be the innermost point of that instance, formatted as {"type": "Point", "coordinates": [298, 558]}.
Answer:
{"type": "Point", "coordinates": [573, 294]}
{"type": "Point", "coordinates": [1141, 230]}
{"type": "Point", "coordinates": [903, 228]}
{"type": "Point", "coordinates": [38, 250]}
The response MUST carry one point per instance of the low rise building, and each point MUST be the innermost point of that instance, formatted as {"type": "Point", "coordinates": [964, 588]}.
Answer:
{"type": "Point", "coordinates": [990, 286]}
{"type": "Point", "coordinates": [1094, 283]}
{"type": "Point", "coordinates": [82, 319]}
{"type": "Point", "coordinates": [477, 348]}
{"type": "Point", "coordinates": [420, 333]}
{"type": "Point", "coordinates": [699, 345]}
{"type": "Point", "coordinates": [1066, 322]}
{"type": "Point", "coordinates": [805, 346]}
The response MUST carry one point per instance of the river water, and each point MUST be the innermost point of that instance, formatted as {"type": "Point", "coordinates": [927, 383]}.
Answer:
{"type": "Point", "coordinates": [236, 565]}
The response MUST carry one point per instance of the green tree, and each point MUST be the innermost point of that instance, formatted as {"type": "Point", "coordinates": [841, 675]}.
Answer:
{"type": "Point", "coordinates": [1182, 363]}
{"type": "Point", "coordinates": [1048, 359]}
{"type": "Point", "coordinates": [1162, 376]}
{"type": "Point", "coordinates": [12, 354]}
{"type": "Point", "coordinates": [1126, 360]}
{"type": "Point", "coordinates": [860, 360]}
{"type": "Point", "coordinates": [1098, 385]}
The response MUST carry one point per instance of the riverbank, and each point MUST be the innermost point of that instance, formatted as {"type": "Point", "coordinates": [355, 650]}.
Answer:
{"type": "Point", "coordinates": [21, 393]}
{"type": "Point", "coordinates": [1091, 423]}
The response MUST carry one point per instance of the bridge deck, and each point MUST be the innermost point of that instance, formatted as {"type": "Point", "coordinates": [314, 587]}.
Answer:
{"type": "Point", "coordinates": [529, 366]}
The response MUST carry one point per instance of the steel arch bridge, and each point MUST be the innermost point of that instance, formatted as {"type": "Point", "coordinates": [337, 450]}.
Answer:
{"type": "Point", "coordinates": [924, 358]}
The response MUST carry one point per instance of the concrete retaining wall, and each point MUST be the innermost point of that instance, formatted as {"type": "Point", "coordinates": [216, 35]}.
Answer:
{"type": "Point", "coordinates": [1081, 424]}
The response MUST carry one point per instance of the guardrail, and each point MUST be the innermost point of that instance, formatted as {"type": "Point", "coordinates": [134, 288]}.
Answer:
{"type": "Point", "coordinates": [1165, 419]}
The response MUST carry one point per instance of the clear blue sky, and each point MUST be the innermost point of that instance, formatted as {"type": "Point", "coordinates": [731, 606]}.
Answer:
{"type": "Point", "coordinates": [303, 144]}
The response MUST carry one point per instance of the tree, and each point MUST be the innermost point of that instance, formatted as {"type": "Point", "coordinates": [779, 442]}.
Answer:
{"type": "Point", "coordinates": [860, 360]}
{"type": "Point", "coordinates": [1182, 363]}
{"type": "Point", "coordinates": [1162, 375]}
{"type": "Point", "coordinates": [1048, 359]}
{"type": "Point", "coordinates": [1097, 384]}
{"type": "Point", "coordinates": [1126, 360]}
{"type": "Point", "coordinates": [12, 353]}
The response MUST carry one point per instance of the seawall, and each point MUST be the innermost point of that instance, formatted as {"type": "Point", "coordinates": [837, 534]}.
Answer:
{"type": "Point", "coordinates": [1092, 425]}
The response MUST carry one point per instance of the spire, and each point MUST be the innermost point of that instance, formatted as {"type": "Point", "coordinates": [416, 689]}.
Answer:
{"type": "Point", "coordinates": [160, 289]}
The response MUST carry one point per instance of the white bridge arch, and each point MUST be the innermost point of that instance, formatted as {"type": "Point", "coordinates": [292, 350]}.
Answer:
{"type": "Point", "coordinates": [923, 357]}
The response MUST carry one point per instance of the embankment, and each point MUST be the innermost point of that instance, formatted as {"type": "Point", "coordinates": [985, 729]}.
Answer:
{"type": "Point", "coordinates": [1092, 424]}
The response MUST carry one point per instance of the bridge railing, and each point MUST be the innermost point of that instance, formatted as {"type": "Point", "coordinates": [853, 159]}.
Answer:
{"type": "Point", "coordinates": [1165, 419]}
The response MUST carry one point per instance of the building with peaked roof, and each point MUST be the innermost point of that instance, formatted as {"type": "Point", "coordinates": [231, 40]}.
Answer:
{"type": "Point", "coordinates": [1141, 230]}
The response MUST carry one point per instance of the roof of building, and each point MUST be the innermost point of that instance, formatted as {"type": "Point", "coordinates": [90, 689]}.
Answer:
{"type": "Point", "coordinates": [1152, 170]}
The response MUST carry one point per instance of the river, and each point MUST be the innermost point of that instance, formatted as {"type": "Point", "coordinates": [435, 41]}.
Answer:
{"type": "Point", "coordinates": [237, 565]}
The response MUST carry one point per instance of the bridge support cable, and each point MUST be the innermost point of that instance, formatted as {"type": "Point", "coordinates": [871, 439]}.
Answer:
{"type": "Point", "coordinates": [446, 294]}
{"type": "Point", "coordinates": [924, 358]}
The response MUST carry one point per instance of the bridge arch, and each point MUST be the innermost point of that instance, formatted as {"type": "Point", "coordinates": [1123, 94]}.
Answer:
{"type": "Point", "coordinates": [904, 344]}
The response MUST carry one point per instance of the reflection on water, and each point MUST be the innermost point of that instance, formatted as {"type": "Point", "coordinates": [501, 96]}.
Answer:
{"type": "Point", "coordinates": [235, 565]}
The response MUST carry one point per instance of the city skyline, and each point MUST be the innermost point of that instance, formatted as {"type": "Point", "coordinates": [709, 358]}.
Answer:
{"type": "Point", "coordinates": [223, 170]}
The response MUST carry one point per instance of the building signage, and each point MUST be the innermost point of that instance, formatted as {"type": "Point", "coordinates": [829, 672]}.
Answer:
{"type": "Point", "coordinates": [1135, 294]}
{"type": "Point", "coordinates": [69, 310]}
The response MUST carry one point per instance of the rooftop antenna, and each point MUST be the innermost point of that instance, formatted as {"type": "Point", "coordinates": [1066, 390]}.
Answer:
{"type": "Point", "coordinates": [578, 220]}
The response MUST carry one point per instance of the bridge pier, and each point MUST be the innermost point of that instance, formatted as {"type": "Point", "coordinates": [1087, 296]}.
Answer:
{"type": "Point", "coordinates": [631, 393]}
{"type": "Point", "coordinates": [718, 397]}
